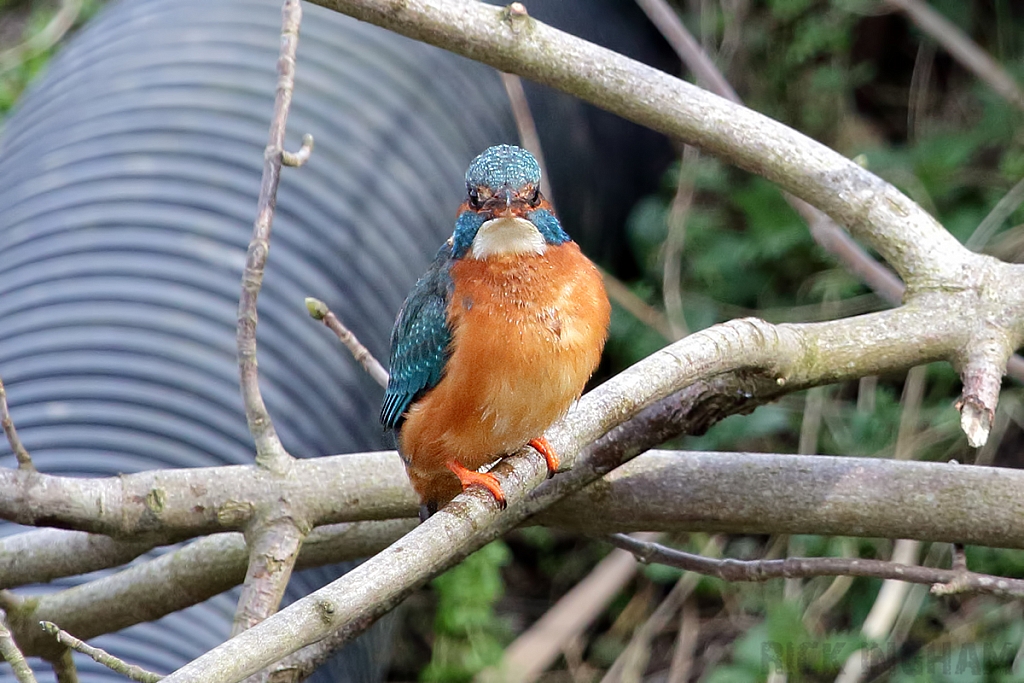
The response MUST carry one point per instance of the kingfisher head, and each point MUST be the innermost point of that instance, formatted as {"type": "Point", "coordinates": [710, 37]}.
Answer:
{"type": "Point", "coordinates": [505, 212]}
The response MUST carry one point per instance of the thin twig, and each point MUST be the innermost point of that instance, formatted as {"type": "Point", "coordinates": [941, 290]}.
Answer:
{"type": "Point", "coordinates": [621, 294]}
{"type": "Point", "coordinates": [24, 459]}
{"type": "Point", "coordinates": [539, 646]}
{"type": "Point", "coordinates": [136, 673]}
{"type": "Point", "coordinates": [963, 49]}
{"type": "Point", "coordinates": [806, 567]}
{"type": "Point", "coordinates": [686, 643]}
{"type": "Point", "coordinates": [319, 311]}
{"type": "Point", "coordinates": [886, 608]}
{"type": "Point", "coordinates": [686, 46]}
{"type": "Point", "coordinates": [526, 126]}
{"type": "Point", "coordinates": [1003, 209]}
{"type": "Point", "coordinates": [631, 663]}
{"type": "Point", "coordinates": [10, 653]}
{"type": "Point", "coordinates": [275, 536]}
{"type": "Point", "coordinates": [270, 453]}
{"type": "Point", "coordinates": [671, 285]}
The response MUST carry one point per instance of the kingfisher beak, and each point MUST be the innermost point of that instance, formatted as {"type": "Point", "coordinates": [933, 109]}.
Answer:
{"type": "Point", "coordinates": [505, 202]}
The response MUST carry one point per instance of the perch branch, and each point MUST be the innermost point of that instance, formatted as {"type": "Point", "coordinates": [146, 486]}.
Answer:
{"type": "Point", "coordinates": [672, 491]}
{"type": "Point", "coordinates": [807, 567]}
{"type": "Point", "coordinates": [795, 355]}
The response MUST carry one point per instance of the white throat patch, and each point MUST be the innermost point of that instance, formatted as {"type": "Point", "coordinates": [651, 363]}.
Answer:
{"type": "Point", "coordinates": [507, 235]}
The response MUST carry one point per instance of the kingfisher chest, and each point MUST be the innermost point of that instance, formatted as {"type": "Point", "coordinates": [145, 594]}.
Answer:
{"type": "Point", "coordinates": [532, 305]}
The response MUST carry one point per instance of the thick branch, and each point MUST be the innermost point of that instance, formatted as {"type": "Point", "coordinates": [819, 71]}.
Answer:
{"type": "Point", "coordinates": [796, 355]}
{"type": "Point", "coordinates": [661, 490]}
{"type": "Point", "coordinates": [173, 505]}
{"type": "Point", "coordinates": [176, 580]}
{"type": "Point", "coordinates": [273, 550]}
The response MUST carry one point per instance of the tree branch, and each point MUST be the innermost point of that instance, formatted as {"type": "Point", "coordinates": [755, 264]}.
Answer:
{"type": "Point", "coordinates": [676, 491]}
{"type": "Point", "coordinates": [135, 673]}
{"type": "Point", "coordinates": [176, 504]}
{"type": "Point", "coordinates": [963, 49]}
{"type": "Point", "coordinates": [177, 580]}
{"type": "Point", "coordinates": [24, 459]}
{"type": "Point", "coordinates": [270, 453]}
{"type": "Point", "coordinates": [796, 355]}
{"type": "Point", "coordinates": [11, 654]}
{"type": "Point", "coordinates": [318, 310]}
{"type": "Point", "coordinates": [924, 254]}
{"type": "Point", "coordinates": [806, 567]}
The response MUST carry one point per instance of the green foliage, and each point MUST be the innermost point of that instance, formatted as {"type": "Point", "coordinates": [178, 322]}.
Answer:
{"type": "Point", "coordinates": [468, 635]}
{"type": "Point", "coordinates": [26, 61]}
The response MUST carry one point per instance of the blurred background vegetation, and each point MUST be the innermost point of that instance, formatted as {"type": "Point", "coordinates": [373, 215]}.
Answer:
{"type": "Point", "coordinates": [861, 78]}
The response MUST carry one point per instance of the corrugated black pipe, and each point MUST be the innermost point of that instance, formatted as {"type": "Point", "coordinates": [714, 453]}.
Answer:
{"type": "Point", "coordinates": [128, 181]}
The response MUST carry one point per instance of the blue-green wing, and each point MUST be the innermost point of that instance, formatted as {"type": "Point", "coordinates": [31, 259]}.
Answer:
{"type": "Point", "coordinates": [419, 341]}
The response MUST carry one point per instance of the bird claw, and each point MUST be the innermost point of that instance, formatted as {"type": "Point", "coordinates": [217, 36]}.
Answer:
{"type": "Point", "coordinates": [544, 448]}
{"type": "Point", "coordinates": [470, 477]}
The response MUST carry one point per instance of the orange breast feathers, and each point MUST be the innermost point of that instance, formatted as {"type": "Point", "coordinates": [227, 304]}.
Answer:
{"type": "Point", "coordinates": [527, 334]}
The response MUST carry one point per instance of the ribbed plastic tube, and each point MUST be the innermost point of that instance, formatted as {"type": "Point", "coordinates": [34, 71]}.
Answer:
{"type": "Point", "coordinates": [128, 181]}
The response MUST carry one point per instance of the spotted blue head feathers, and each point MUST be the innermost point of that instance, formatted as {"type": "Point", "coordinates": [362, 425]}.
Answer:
{"type": "Point", "coordinates": [505, 212]}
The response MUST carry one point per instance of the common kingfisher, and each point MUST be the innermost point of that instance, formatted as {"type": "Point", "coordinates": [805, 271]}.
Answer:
{"type": "Point", "coordinates": [497, 339]}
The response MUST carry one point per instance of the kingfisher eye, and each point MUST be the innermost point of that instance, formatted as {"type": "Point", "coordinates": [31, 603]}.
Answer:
{"type": "Point", "coordinates": [474, 198]}
{"type": "Point", "coordinates": [535, 196]}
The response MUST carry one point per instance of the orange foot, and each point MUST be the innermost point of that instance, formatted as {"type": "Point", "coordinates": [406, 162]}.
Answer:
{"type": "Point", "coordinates": [545, 449]}
{"type": "Point", "coordinates": [485, 479]}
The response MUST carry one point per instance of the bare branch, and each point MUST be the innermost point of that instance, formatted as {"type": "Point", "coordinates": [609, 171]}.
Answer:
{"type": "Point", "coordinates": [12, 655]}
{"type": "Point", "coordinates": [686, 46]}
{"type": "Point", "coordinates": [43, 555]}
{"type": "Point", "coordinates": [24, 459]}
{"type": "Point", "coordinates": [977, 419]}
{"type": "Point", "coordinates": [672, 269]}
{"type": "Point", "coordinates": [660, 490]}
{"type": "Point", "coordinates": [963, 49]}
{"type": "Point", "coordinates": [525, 126]}
{"type": "Point", "coordinates": [270, 453]}
{"type": "Point", "coordinates": [46, 38]}
{"type": "Point", "coordinates": [177, 580]}
{"type": "Point", "coordinates": [273, 551]}
{"type": "Point", "coordinates": [793, 354]}
{"type": "Point", "coordinates": [924, 254]}
{"type": "Point", "coordinates": [175, 504]}
{"type": "Point", "coordinates": [319, 311]}
{"type": "Point", "coordinates": [135, 673]}
{"type": "Point", "coordinates": [804, 567]}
